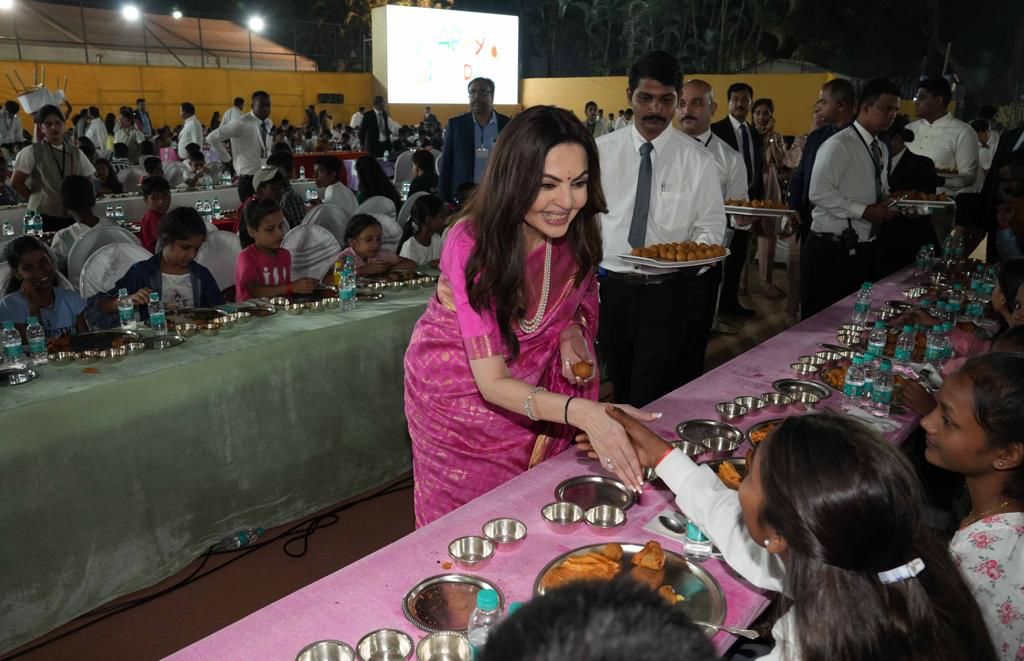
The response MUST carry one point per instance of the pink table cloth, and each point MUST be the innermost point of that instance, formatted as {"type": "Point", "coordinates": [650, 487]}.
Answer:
{"type": "Point", "coordinates": [367, 594]}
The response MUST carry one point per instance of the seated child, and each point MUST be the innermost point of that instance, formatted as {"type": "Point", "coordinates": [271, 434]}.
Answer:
{"type": "Point", "coordinates": [173, 272]}
{"type": "Point", "coordinates": [328, 177]}
{"type": "Point", "coordinates": [424, 172]}
{"type": "Point", "coordinates": [363, 236]}
{"type": "Point", "coordinates": [32, 291]}
{"type": "Point", "coordinates": [78, 198]}
{"type": "Point", "coordinates": [156, 193]}
{"type": "Point", "coordinates": [264, 268]}
{"type": "Point", "coordinates": [105, 179]}
{"type": "Point", "coordinates": [153, 166]}
{"type": "Point", "coordinates": [421, 238]}
{"type": "Point", "coordinates": [197, 169]}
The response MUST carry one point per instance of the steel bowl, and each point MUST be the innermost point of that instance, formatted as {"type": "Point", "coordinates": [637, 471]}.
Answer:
{"type": "Point", "coordinates": [690, 449]}
{"type": "Point", "coordinates": [562, 516]}
{"type": "Point", "coordinates": [113, 355]}
{"type": "Point", "coordinates": [847, 339]}
{"type": "Point", "coordinates": [854, 328]}
{"type": "Point", "coordinates": [280, 302]}
{"type": "Point", "coordinates": [135, 347]}
{"type": "Point", "coordinates": [444, 646]}
{"type": "Point", "coordinates": [186, 328]}
{"type": "Point", "coordinates": [294, 308]}
{"type": "Point", "coordinates": [326, 650]}
{"type": "Point", "coordinates": [88, 356]}
{"type": "Point", "coordinates": [242, 317]}
{"type": "Point", "coordinates": [812, 360]}
{"type": "Point", "coordinates": [777, 402]}
{"type": "Point", "coordinates": [60, 358]}
{"type": "Point", "coordinates": [753, 404]}
{"type": "Point", "coordinates": [605, 517]}
{"type": "Point", "coordinates": [721, 447]}
{"type": "Point", "coordinates": [316, 306]}
{"type": "Point", "coordinates": [505, 531]}
{"type": "Point", "coordinates": [384, 645]}
{"type": "Point", "coordinates": [331, 303]}
{"type": "Point", "coordinates": [471, 550]}
{"type": "Point", "coordinates": [210, 328]}
{"type": "Point", "coordinates": [807, 399]}
{"type": "Point", "coordinates": [828, 356]}
{"type": "Point", "coordinates": [804, 369]}
{"type": "Point", "coordinates": [728, 411]}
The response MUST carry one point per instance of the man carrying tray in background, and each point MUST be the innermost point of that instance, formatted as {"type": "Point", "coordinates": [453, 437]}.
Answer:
{"type": "Point", "coordinates": [661, 187]}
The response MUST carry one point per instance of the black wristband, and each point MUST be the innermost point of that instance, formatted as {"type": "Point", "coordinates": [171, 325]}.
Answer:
{"type": "Point", "coordinates": [566, 416]}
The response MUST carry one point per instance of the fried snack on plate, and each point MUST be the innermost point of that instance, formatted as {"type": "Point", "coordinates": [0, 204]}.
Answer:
{"type": "Point", "coordinates": [589, 566]}
{"type": "Point", "coordinates": [729, 476]}
{"type": "Point", "coordinates": [652, 578]}
{"type": "Point", "coordinates": [668, 593]}
{"type": "Point", "coordinates": [651, 556]}
{"type": "Point", "coordinates": [612, 551]}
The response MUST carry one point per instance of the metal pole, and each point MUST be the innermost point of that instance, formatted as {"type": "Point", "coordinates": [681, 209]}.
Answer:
{"type": "Point", "coordinates": [17, 37]}
{"type": "Point", "coordinates": [202, 55]}
{"type": "Point", "coordinates": [145, 48]}
{"type": "Point", "coordinates": [251, 65]}
{"type": "Point", "coordinates": [85, 38]}
{"type": "Point", "coordinates": [295, 46]}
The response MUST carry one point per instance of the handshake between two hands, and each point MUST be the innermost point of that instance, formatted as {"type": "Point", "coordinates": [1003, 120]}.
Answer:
{"type": "Point", "coordinates": [649, 447]}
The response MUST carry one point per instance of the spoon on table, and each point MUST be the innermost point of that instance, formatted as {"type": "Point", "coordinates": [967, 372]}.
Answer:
{"type": "Point", "coordinates": [749, 634]}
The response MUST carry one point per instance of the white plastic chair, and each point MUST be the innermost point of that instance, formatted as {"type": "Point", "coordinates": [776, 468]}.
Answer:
{"type": "Point", "coordinates": [130, 178]}
{"type": "Point", "coordinates": [403, 168]}
{"type": "Point", "coordinates": [107, 265]}
{"type": "Point", "coordinates": [344, 199]}
{"type": "Point", "coordinates": [90, 242]}
{"type": "Point", "coordinates": [403, 215]}
{"type": "Point", "coordinates": [218, 254]}
{"type": "Point", "coordinates": [313, 250]}
{"type": "Point", "coordinates": [330, 217]}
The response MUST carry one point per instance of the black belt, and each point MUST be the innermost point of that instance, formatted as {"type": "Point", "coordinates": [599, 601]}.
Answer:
{"type": "Point", "coordinates": [835, 238]}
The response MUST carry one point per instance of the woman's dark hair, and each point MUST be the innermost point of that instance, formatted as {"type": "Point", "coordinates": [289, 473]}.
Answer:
{"type": "Point", "coordinates": [180, 223]}
{"type": "Point", "coordinates": [192, 149]}
{"type": "Point", "coordinates": [763, 102]}
{"type": "Point", "coordinates": [215, 120]}
{"type": "Point", "coordinates": [77, 193]}
{"type": "Point", "coordinates": [87, 148]}
{"type": "Point", "coordinates": [998, 380]}
{"type": "Point", "coordinates": [359, 222]}
{"type": "Point", "coordinates": [110, 121]}
{"type": "Point", "coordinates": [329, 164]}
{"type": "Point", "coordinates": [657, 65]}
{"type": "Point", "coordinates": [110, 181]}
{"type": "Point", "coordinates": [598, 621]}
{"type": "Point", "coordinates": [252, 214]}
{"type": "Point", "coordinates": [1010, 340]}
{"type": "Point", "coordinates": [373, 181]}
{"type": "Point", "coordinates": [14, 251]}
{"type": "Point", "coordinates": [423, 208]}
{"type": "Point", "coordinates": [1011, 277]}
{"type": "Point", "coordinates": [46, 111]}
{"type": "Point", "coordinates": [495, 271]}
{"type": "Point", "coordinates": [849, 506]}
{"type": "Point", "coordinates": [424, 160]}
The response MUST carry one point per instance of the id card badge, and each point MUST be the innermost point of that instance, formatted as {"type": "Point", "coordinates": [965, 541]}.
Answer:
{"type": "Point", "coordinates": [482, 153]}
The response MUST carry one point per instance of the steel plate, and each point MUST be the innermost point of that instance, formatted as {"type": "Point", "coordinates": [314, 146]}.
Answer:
{"type": "Point", "coordinates": [696, 431]}
{"type": "Point", "coordinates": [592, 490]}
{"type": "Point", "coordinates": [444, 602]}
{"type": "Point", "coordinates": [790, 386]}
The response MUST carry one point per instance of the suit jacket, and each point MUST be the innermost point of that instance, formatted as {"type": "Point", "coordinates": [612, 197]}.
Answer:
{"type": "Point", "coordinates": [369, 134]}
{"type": "Point", "coordinates": [913, 173]}
{"type": "Point", "coordinates": [723, 129]}
{"type": "Point", "coordinates": [990, 191]}
{"type": "Point", "coordinates": [458, 156]}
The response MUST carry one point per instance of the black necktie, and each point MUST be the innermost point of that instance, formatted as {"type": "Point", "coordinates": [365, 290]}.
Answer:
{"type": "Point", "coordinates": [642, 204]}
{"type": "Point", "coordinates": [876, 156]}
{"type": "Point", "coordinates": [745, 134]}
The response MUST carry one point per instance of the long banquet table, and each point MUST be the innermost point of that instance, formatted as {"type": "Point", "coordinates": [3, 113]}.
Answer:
{"type": "Point", "coordinates": [112, 481]}
{"type": "Point", "coordinates": [367, 594]}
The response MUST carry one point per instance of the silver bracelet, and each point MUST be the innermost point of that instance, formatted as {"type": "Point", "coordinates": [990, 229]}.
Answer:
{"type": "Point", "coordinates": [528, 405]}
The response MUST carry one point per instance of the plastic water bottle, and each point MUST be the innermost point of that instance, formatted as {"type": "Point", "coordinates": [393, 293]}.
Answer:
{"type": "Point", "coordinates": [110, 212]}
{"type": "Point", "coordinates": [207, 181]}
{"type": "Point", "coordinates": [13, 356]}
{"type": "Point", "coordinates": [881, 396]}
{"type": "Point", "coordinates": [905, 345]}
{"type": "Point", "coordinates": [8, 228]}
{"type": "Point", "coordinates": [697, 545]}
{"type": "Point", "coordinates": [935, 349]}
{"type": "Point", "coordinates": [27, 223]}
{"type": "Point", "coordinates": [347, 289]}
{"type": "Point", "coordinates": [216, 207]}
{"type": "Point", "coordinates": [339, 266]}
{"type": "Point", "coordinates": [239, 539]}
{"type": "Point", "coordinates": [872, 363]}
{"type": "Point", "coordinates": [225, 178]}
{"type": "Point", "coordinates": [302, 172]}
{"type": "Point", "coordinates": [853, 386]}
{"type": "Point", "coordinates": [862, 306]}
{"type": "Point", "coordinates": [483, 620]}
{"type": "Point", "coordinates": [975, 308]}
{"type": "Point", "coordinates": [947, 247]}
{"type": "Point", "coordinates": [947, 341]}
{"type": "Point", "coordinates": [36, 341]}
{"type": "Point", "coordinates": [921, 262]}
{"type": "Point", "coordinates": [157, 318]}
{"type": "Point", "coordinates": [877, 338]}
{"type": "Point", "coordinates": [955, 301]}
{"type": "Point", "coordinates": [125, 309]}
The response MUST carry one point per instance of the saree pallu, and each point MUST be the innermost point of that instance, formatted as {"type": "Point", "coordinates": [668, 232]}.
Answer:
{"type": "Point", "coordinates": [463, 446]}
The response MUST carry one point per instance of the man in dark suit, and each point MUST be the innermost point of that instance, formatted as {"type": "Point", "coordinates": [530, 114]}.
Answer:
{"type": "Point", "coordinates": [375, 130]}
{"type": "Point", "coordinates": [900, 239]}
{"type": "Point", "coordinates": [742, 137]}
{"type": "Point", "coordinates": [1010, 142]}
{"type": "Point", "coordinates": [469, 139]}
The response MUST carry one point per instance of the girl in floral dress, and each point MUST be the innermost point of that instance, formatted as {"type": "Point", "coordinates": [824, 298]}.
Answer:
{"type": "Point", "coordinates": [977, 430]}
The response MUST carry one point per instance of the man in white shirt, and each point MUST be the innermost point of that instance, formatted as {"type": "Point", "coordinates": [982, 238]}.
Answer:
{"type": "Point", "coordinates": [97, 132]}
{"type": "Point", "coordinates": [594, 123]}
{"type": "Point", "coordinates": [191, 130]}
{"type": "Point", "coordinates": [849, 184]}
{"type": "Point", "coordinates": [625, 119]}
{"type": "Point", "coordinates": [357, 119]}
{"type": "Point", "coordinates": [127, 134]}
{"type": "Point", "coordinates": [661, 187]}
{"type": "Point", "coordinates": [986, 150]}
{"type": "Point", "coordinates": [250, 136]}
{"type": "Point", "coordinates": [234, 112]}
{"type": "Point", "coordinates": [10, 127]}
{"type": "Point", "coordinates": [950, 143]}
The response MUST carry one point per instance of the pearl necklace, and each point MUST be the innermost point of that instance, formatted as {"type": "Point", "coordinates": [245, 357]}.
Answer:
{"type": "Point", "coordinates": [531, 325]}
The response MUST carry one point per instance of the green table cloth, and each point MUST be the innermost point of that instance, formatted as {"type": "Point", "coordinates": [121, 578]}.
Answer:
{"type": "Point", "coordinates": [110, 482]}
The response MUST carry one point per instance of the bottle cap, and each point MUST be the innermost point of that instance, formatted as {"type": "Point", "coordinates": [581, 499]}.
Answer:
{"type": "Point", "coordinates": [908, 328]}
{"type": "Point", "coordinates": [487, 600]}
{"type": "Point", "coordinates": [122, 292]}
{"type": "Point", "coordinates": [879, 324]}
{"type": "Point", "coordinates": [865, 285]}
{"type": "Point", "coordinates": [858, 360]}
{"type": "Point", "coordinates": [153, 296]}
{"type": "Point", "coordinates": [8, 325]}
{"type": "Point", "coordinates": [32, 320]}
{"type": "Point", "coordinates": [514, 606]}
{"type": "Point", "coordinates": [886, 364]}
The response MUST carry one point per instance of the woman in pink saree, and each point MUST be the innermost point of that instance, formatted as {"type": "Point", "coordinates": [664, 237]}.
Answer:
{"type": "Point", "coordinates": [489, 383]}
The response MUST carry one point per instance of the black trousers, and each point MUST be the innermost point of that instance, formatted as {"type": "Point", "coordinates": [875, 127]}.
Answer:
{"type": "Point", "coordinates": [900, 239]}
{"type": "Point", "coordinates": [652, 337]}
{"type": "Point", "coordinates": [245, 189]}
{"type": "Point", "coordinates": [733, 268]}
{"type": "Point", "coordinates": [828, 272]}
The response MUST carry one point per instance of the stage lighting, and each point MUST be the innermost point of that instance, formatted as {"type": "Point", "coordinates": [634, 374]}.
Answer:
{"type": "Point", "coordinates": [130, 12]}
{"type": "Point", "coordinates": [256, 24]}
{"type": "Point", "coordinates": [176, 14]}
{"type": "Point", "coordinates": [6, 4]}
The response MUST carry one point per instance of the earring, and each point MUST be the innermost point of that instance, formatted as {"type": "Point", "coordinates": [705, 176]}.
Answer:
{"type": "Point", "coordinates": [767, 542]}
{"type": "Point", "coordinates": [999, 463]}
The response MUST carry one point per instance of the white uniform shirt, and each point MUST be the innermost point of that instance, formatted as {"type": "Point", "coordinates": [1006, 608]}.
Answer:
{"type": "Point", "coordinates": [230, 115]}
{"type": "Point", "coordinates": [843, 182]}
{"type": "Point", "coordinates": [357, 120]}
{"type": "Point", "coordinates": [125, 136]}
{"type": "Point", "coordinates": [732, 173]}
{"type": "Point", "coordinates": [248, 151]}
{"type": "Point", "coordinates": [686, 196]}
{"type": "Point", "coordinates": [952, 145]}
{"type": "Point", "coordinates": [97, 133]}
{"type": "Point", "coordinates": [191, 133]}
{"type": "Point", "coordinates": [10, 129]}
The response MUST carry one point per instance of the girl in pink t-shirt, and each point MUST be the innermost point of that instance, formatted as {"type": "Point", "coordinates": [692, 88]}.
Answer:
{"type": "Point", "coordinates": [264, 268]}
{"type": "Point", "coordinates": [363, 236]}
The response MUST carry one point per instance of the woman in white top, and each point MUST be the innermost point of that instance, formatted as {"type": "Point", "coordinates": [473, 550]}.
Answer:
{"type": "Point", "coordinates": [421, 236]}
{"type": "Point", "coordinates": [829, 515]}
{"type": "Point", "coordinates": [977, 430]}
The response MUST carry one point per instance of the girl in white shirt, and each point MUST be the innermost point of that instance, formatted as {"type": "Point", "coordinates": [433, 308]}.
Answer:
{"type": "Point", "coordinates": [421, 238]}
{"type": "Point", "coordinates": [829, 515]}
{"type": "Point", "coordinates": [977, 430]}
